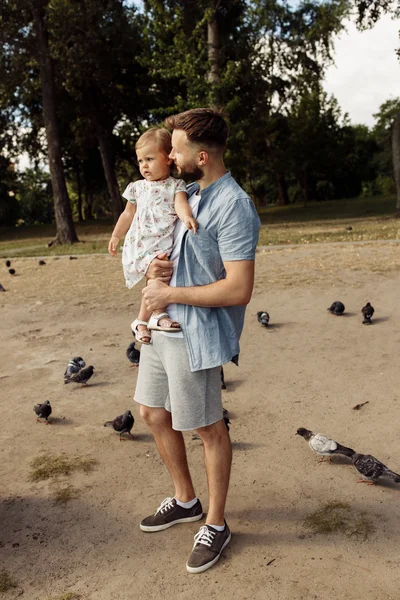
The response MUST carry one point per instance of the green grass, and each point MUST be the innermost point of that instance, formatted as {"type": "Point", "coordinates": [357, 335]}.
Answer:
{"type": "Point", "coordinates": [49, 466]}
{"type": "Point", "coordinates": [318, 222]}
{"type": "Point", "coordinates": [335, 517]}
{"type": "Point", "coordinates": [6, 583]}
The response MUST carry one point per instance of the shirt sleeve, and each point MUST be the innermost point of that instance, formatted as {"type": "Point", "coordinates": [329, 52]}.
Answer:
{"type": "Point", "coordinates": [180, 186]}
{"type": "Point", "coordinates": [238, 231]}
{"type": "Point", "coordinates": [129, 193]}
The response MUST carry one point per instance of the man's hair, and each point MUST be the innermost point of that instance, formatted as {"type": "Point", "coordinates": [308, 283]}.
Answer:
{"type": "Point", "coordinates": [156, 134]}
{"type": "Point", "coordinates": [202, 126]}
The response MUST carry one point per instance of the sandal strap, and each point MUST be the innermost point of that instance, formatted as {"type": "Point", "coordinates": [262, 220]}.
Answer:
{"type": "Point", "coordinates": [137, 322]}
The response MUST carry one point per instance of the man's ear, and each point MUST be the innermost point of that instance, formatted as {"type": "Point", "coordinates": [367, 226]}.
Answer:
{"type": "Point", "coordinates": [170, 161]}
{"type": "Point", "coordinates": [203, 157]}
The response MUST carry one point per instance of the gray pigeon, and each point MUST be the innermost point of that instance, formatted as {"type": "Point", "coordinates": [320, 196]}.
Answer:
{"type": "Point", "coordinates": [367, 312]}
{"type": "Point", "coordinates": [122, 423]}
{"type": "Point", "coordinates": [337, 308]}
{"type": "Point", "coordinates": [74, 366]}
{"type": "Point", "coordinates": [82, 376]}
{"type": "Point", "coordinates": [8, 264]}
{"type": "Point", "coordinates": [133, 354]}
{"type": "Point", "coordinates": [371, 469]}
{"type": "Point", "coordinates": [43, 411]}
{"type": "Point", "coordinates": [41, 263]}
{"type": "Point", "coordinates": [263, 318]}
{"type": "Point", "coordinates": [322, 445]}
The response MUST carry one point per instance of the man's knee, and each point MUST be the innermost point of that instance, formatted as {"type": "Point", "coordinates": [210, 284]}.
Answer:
{"type": "Point", "coordinates": [155, 417]}
{"type": "Point", "coordinates": [213, 433]}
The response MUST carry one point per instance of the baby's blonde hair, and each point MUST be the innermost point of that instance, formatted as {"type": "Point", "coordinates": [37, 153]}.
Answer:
{"type": "Point", "coordinates": [156, 134]}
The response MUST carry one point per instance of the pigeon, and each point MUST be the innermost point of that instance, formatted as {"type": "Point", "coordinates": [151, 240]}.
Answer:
{"type": "Point", "coordinates": [11, 271]}
{"type": "Point", "coordinates": [322, 445]}
{"type": "Point", "coordinates": [227, 422]}
{"type": "Point", "coordinates": [82, 376]}
{"type": "Point", "coordinates": [223, 386]}
{"type": "Point", "coordinates": [133, 354]}
{"type": "Point", "coordinates": [349, 228]}
{"type": "Point", "coordinates": [263, 318]}
{"type": "Point", "coordinates": [41, 263]}
{"type": "Point", "coordinates": [337, 308]}
{"type": "Point", "coordinates": [2, 289]}
{"type": "Point", "coordinates": [74, 366]}
{"type": "Point", "coordinates": [8, 263]}
{"type": "Point", "coordinates": [371, 469]}
{"type": "Point", "coordinates": [73, 258]}
{"type": "Point", "coordinates": [367, 312]}
{"type": "Point", "coordinates": [43, 411]}
{"type": "Point", "coordinates": [122, 423]}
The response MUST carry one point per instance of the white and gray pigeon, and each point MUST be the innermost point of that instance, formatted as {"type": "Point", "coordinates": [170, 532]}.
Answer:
{"type": "Point", "coordinates": [122, 423]}
{"type": "Point", "coordinates": [372, 469]}
{"type": "Point", "coordinates": [43, 411]}
{"type": "Point", "coordinates": [337, 308]}
{"type": "Point", "coordinates": [322, 445]}
{"type": "Point", "coordinates": [82, 376]}
{"type": "Point", "coordinates": [263, 318]}
{"type": "Point", "coordinates": [74, 366]}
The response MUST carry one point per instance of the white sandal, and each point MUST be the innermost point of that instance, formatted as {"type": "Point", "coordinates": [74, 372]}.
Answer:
{"type": "Point", "coordinates": [154, 320]}
{"type": "Point", "coordinates": [140, 334]}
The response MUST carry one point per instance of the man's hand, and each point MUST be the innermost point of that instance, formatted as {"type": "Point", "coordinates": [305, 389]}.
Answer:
{"type": "Point", "coordinates": [113, 245]}
{"type": "Point", "coordinates": [156, 294]}
{"type": "Point", "coordinates": [160, 268]}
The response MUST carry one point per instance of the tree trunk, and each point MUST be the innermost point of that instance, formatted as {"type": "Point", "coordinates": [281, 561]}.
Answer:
{"type": "Point", "coordinates": [283, 198]}
{"type": "Point", "coordinates": [79, 189]}
{"type": "Point", "coordinates": [109, 171]}
{"type": "Point", "coordinates": [62, 208]}
{"type": "Point", "coordinates": [396, 159]}
{"type": "Point", "coordinates": [213, 47]}
{"type": "Point", "coordinates": [88, 206]}
{"type": "Point", "coordinates": [304, 185]}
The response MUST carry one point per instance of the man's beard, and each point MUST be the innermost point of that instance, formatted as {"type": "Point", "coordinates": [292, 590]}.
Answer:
{"type": "Point", "coordinates": [190, 172]}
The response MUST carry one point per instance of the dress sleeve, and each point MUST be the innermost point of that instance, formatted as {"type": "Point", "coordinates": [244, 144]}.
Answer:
{"type": "Point", "coordinates": [180, 186]}
{"type": "Point", "coordinates": [130, 193]}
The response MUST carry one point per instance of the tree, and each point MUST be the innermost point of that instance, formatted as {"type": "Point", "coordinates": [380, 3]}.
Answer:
{"type": "Point", "coordinates": [98, 46]}
{"type": "Point", "coordinates": [24, 29]}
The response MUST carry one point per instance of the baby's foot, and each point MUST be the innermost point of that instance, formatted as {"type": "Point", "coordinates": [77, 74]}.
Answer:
{"type": "Point", "coordinates": [166, 323]}
{"type": "Point", "coordinates": [144, 334]}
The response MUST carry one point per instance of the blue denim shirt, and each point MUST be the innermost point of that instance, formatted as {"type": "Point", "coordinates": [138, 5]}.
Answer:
{"type": "Point", "coordinates": [228, 230]}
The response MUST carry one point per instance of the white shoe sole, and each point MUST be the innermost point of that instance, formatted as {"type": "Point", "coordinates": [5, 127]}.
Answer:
{"type": "Point", "coordinates": [149, 529]}
{"type": "Point", "coordinates": [209, 564]}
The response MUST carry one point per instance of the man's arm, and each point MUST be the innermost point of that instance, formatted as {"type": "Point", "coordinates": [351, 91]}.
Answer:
{"type": "Point", "coordinates": [234, 290]}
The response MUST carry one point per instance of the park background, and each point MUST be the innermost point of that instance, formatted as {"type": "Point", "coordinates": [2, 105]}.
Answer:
{"type": "Point", "coordinates": [78, 82]}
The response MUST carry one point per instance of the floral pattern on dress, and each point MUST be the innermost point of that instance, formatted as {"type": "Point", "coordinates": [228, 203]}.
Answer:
{"type": "Point", "coordinates": [152, 228]}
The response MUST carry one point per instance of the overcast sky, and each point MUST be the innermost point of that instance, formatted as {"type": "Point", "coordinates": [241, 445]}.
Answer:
{"type": "Point", "coordinates": [367, 69]}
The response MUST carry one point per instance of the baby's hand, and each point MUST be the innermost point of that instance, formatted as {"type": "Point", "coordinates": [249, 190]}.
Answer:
{"type": "Point", "coordinates": [191, 223]}
{"type": "Point", "coordinates": [113, 245]}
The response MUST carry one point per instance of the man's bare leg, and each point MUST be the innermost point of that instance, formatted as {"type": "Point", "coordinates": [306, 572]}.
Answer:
{"type": "Point", "coordinates": [172, 450]}
{"type": "Point", "coordinates": [218, 460]}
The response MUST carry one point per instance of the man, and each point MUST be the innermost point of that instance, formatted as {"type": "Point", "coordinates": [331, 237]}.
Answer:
{"type": "Point", "coordinates": [178, 385]}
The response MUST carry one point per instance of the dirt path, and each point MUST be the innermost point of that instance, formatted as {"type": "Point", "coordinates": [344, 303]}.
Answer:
{"type": "Point", "coordinates": [308, 369]}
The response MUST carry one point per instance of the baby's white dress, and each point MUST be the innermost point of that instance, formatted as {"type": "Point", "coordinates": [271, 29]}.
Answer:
{"type": "Point", "coordinates": [152, 228]}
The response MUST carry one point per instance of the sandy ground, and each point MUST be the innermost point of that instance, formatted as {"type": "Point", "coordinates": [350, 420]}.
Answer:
{"type": "Point", "coordinates": [308, 369]}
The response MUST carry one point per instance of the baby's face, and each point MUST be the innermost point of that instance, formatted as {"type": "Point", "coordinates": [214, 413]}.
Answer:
{"type": "Point", "coordinates": [154, 164]}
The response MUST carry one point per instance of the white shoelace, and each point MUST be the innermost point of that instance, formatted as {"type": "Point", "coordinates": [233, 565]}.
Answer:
{"type": "Point", "coordinates": [165, 505]}
{"type": "Point", "coordinates": [204, 536]}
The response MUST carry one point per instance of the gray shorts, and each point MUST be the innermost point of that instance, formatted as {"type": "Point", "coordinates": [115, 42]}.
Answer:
{"type": "Point", "coordinates": [165, 381]}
